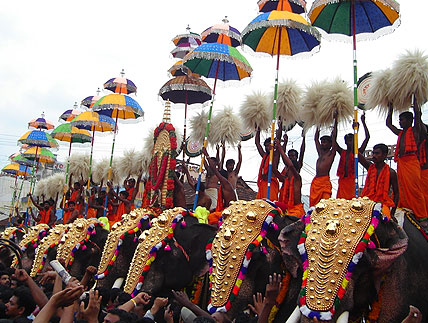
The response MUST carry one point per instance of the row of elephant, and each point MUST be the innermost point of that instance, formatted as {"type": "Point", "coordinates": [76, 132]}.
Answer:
{"type": "Point", "coordinates": [342, 260]}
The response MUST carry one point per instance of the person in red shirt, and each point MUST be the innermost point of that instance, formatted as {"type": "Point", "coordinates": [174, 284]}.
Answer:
{"type": "Point", "coordinates": [70, 213]}
{"type": "Point", "coordinates": [46, 212]}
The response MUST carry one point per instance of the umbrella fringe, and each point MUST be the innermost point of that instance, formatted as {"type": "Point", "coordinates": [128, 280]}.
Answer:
{"type": "Point", "coordinates": [282, 23]}
{"type": "Point", "coordinates": [219, 57]}
{"type": "Point", "coordinates": [110, 106]}
{"type": "Point", "coordinates": [184, 87]}
{"type": "Point", "coordinates": [191, 35]}
{"type": "Point", "coordinates": [227, 32]}
{"type": "Point", "coordinates": [390, 3]}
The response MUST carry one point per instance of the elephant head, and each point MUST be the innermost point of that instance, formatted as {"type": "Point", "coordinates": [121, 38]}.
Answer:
{"type": "Point", "coordinates": [244, 253]}
{"type": "Point", "coordinates": [11, 237]}
{"type": "Point", "coordinates": [29, 243]}
{"type": "Point", "coordinates": [82, 246]}
{"type": "Point", "coordinates": [120, 246]}
{"type": "Point", "coordinates": [342, 268]}
{"type": "Point", "coordinates": [169, 254]}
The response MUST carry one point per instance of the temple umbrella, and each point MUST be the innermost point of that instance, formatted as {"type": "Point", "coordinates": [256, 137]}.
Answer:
{"type": "Point", "coordinates": [120, 85]}
{"type": "Point", "coordinates": [66, 132]}
{"type": "Point", "coordinates": [93, 121]}
{"type": "Point", "coordinates": [223, 34]}
{"type": "Point", "coordinates": [39, 155]}
{"type": "Point", "coordinates": [21, 160]}
{"type": "Point", "coordinates": [295, 6]}
{"type": "Point", "coordinates": [359, 19]}
{"type": "Point", "coordinates": [280, 33]}
{"type": "Point", "coordinates": [69, 115]}
{"type": "Point", "coordinates": [185, 43]}
{"type": "Point", "coordinates": [16, 170]}
{"type": "Point", "coordinates": [185, 90]}
{"type": "Point", "coordinates": [221, 62]}
{"type": "Point", "coordinates": [41, 123]}
{"type": "Point", "coordinates": [89, 101]}
{"type": "Point", "coordinates": [178, 69]}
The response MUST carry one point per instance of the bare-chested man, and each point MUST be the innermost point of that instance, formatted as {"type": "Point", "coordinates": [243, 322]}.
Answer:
{"type": "Point", "coordinates": [227, 192]}
{"type": "Point", "coordinates": [326, 148]}
{"type": "Point", "coordinates": [203, 199]}
{"type": "Point", "coordinates": [232, 171]}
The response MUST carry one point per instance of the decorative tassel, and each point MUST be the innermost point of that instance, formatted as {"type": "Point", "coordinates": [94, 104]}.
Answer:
{"type": "Point", "coordinates": [167, 247]}
{"type": "Point", "coordinates": [183, 224]}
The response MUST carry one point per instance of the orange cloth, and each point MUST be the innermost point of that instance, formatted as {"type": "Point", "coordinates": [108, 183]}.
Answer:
{"type": "Point", "coordinates": [74, 198]}
{"type": "Point", "coordinates": [423, 153]}
{"type": "Point", "coordinates": [424, 185]}
{"type": "Point", "coordinates": [263, 184]}
{"type": "Point", "coordinates": [214, 217]}
{"type": "Point", "coordinates": [67, 215]}
{"type": "Point", "coordinates": [320, 189]}
{"type": "Point", "coordinates": [341, 166]}
{"type": "Point", "coordinates": [410, 147]}
{"type": "Point", "coordinates": [296, 210]}
{"type": "Point", "coordinates": [220, 201]}
{"type": "Point", "coordinates": [131, 191]}
{"type": "Point", "coordinates": [287, 197]}
{"type": "Point", "coordinates": [44, 216]}
{"type": "Point", "coordinates": [376, 187]}
{"type": "Point", "coordinates": [409, 185]}
{"type": "Point", "coordinates": [346, 188]}
{"type": "Point", "coordinates": [92, 213]}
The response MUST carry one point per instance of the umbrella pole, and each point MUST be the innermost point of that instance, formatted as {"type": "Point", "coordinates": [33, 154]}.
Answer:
{"type": "Point", "coordinates": [90, 169]}
{"type": "Point", "coordinates": [66, 175]}
{"type": "Point", "coordinates": [27, 215]}
{"type": "Point", "coordinates": [207, 130]}
{"type": "Point", "coordinates": [13, 202]}
{"type": "Point", "coordinates": [354, 43]}
{"type": "Point", "coordinates": [20, 189]}
{"type": "Point", "coordinates": [185, 125]}
{"type": "Point", "coordinates": [111, 163]}
{"type": "Point", "coordinates": [272, 137]}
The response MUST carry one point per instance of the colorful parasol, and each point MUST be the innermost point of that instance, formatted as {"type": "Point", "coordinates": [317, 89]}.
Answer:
{"type": "Point", "coordinates": [41, 123]}
{"type": "Point", "coordinates": [89, 101]}
{"type": "Point", "coordinates": [280, 33]}
{"type": "Point", "coordinates": [69, 115]}
{"type": "Point", "coordinates": [295, 6]}
{"type": "Point", "coordinates": [361, 19]}
{"type": "Point", "coordinates": [218, 61]}
{"type": "Point", "coordinates": [120, 85]}
{"type": "Point", "coordinates": [223, 34]}
{"type": "Point", "coordinates": [178, 69]}
{"type": "Point", "coordinates": [185, 43]}
{"type": "Point", "coordinates": [21, 160]}
{"type": "Point", "coordinates": [38, 138]}
{"type": "Point", "coordinates": [186, 90]}
{"type": "Point", "coordinates": [16, 169]}
{"type": "Point", "coordinates": [40, 155]}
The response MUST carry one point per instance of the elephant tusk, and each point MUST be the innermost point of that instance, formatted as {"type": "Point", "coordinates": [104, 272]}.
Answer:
{"type": "Point", "coordinates": [118, 282]}
{"type": "Point", "coordinates": [343, 318]}
{"type": "Point", "coordinates": [295, 316]}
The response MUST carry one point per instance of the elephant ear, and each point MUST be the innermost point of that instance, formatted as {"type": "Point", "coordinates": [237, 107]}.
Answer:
{"type": "Point", "coordinates": [288, 240]}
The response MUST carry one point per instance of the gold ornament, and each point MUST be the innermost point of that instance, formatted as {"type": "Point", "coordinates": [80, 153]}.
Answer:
{"type": "Point", "coordinates": [32, 234]}
{"type": "Point", "coordinates": [241, 227]}
{"type": "Point", "coordinates": [54, 236]}
{"type": "Point", "coordinates": [146, 241]}
{"type": "Point", "coordinates": [330, 245]}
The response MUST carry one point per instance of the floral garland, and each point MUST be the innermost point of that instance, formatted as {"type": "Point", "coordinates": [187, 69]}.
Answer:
{"type": "Point", "coordinates": [196, 291]}
{"type": "Point", "coordinates": [119, 244]}
{"type": "Point", "coordinates": [91, 231]}
{"type": "Point", "coordinates": [358, 253]}
{"type": "Point", "coordinates": [165, 170]}
{"type": "Point", "coordinates": [268, 222]}
{"type": "Point", "coordinates": [153, 252]}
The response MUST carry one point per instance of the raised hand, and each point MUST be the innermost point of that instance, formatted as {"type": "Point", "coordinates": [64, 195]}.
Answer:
{"type": "Point", "coordinates": [90, 313]}
{"type": "Point", "coordinates": [273, 287]}
{"type": "Point", "coordinates": [258, 301]}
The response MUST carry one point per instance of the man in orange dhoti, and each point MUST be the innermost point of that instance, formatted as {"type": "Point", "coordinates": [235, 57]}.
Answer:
{"type": "Point", "coordinates": [346, 168]}
{"type": "Point", "coordinates": [46, 212]}
{"type": "Point", "coordinates": [408, 167]}
{"type": "Point", "coordinates": [423, 161]}
{"type": "Point", "coordinates": [326, 148]}
{"type": "Point", "coordinates": [380, 179]}
{"type": "Point", "coordinates": [76, 197]}
{"type": "Point", "coordinates": [290, 193]}
{"type": "Point", "coordinates": [262, 180]}
{"type": "Point", "coordinates": [124, 205]}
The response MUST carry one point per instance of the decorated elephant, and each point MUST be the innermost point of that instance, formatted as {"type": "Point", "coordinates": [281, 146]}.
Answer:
{"type": "Point", "coordinates": [82, 246]}
{"type": "Point", "coordinates": [243, 255]}
{"type": "Point", "coordinates": [120, 247]}
{"type": "Point", "coordinates": [29, 244]}
{"type": "Point", "coordinates": [356, 263]}
{"type": "Point", "coordinates": [169, 254]}
{"type": "Point", "coordinates": [9, 245]}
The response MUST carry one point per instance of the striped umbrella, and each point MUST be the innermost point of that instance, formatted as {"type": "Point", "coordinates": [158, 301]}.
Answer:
{"type": "Point", "coordinates": [359, 19]}
{"type": "Point", "coordinates": [38, 138]}
{"type": "Point", "coordinates": [39, 155]}
{"type": "Point", "coordinates": [218, 61]}
{"type": "Point", "coordinates": [70, 114]}
{"type": "Point", "coordinates": [295, 6]}
{"type": "Point", "coordinates": [223, 34]}
{"type": "Point", "coordinates": [89, 101]}
{"type": "Point", "coordinates": [178, 69]}
{"type": "Point", "coordinates": [16, 170]}
{"type": "Point", "coordinates": [120, 84]}
{"type": "Point", "coordinates": [280, 33]}
{"type": "Point", "coordinates": [41, 123]}
{"type": "Point", "coordinates": [185, 43]}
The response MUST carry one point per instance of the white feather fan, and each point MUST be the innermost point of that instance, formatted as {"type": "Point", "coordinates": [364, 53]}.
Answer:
{"type": "Point", "coordinates": [409, 76]}
{"type": "Point", "coordinates": [198, 125]}
{"type": "Point", "coordinates": [288, 102]}
{"type": "Point", "coordinates": [311, 99]}
{"type": "Point", "coordinates": [40, 188]}
{"type": "Point", "coordinates": [127, 163]}
{"type": "Point", "coordinates": [227, 127]}
{"type": "Point", "coordinates": [377, 94]}
{"type": "Point", "coordinates": [101, 168]}
{"type": "Point", "coordinates": [55, 185]}
{"type": "Point", "coordinates": [337, 96]}
{"type": "Point", "coordinates": [79, 166]}
{"type": "Point", "coordinates": [255, 112]}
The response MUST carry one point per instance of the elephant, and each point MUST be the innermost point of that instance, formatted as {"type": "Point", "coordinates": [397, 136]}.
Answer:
{"type": "Point", "coordinates": [82, 246]}
{"type": "Point", "coordinates": [29, 244]}
{"type": "Point", "coordinates": [120, 246]}
{"type": "Point", "coordinates": [11, 238]}
{"type": "Point", "coordinates": [169, 254]}
{"type": "Point", "coordinates": [246, 248]}
{"type": "Point", "coordinates": [386, 271]}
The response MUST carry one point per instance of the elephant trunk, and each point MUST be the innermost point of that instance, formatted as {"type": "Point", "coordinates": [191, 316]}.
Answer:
{"type": "Point", "coordinates": [295, 316]}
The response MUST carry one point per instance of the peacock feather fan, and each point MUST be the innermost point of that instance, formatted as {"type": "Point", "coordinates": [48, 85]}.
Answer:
{"type": "Point", "coordinates": [227, 128]}
{"type": "Point", "coordinates": [255, 112]}
{"type": "Point", "coordinates": [409, 76]}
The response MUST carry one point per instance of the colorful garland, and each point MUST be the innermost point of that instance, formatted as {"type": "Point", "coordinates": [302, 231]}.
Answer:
{"type": "Point", "coordinates": [268, 222]}
{"type": "Point", "coordinates": [45, 255]}
{"type": "Point", "coordinates": [169, 171]}
{"type": "Point", "coordinates": [358, 253]}
{"type": "Point", "coordinates": [42, 233]}
{"type": "Point", "coordinates": [196, 291]}
{"type": "Point", "coordinates": [119, 244]}
{"type": "Point", "coordinates": [153, 252]}
{"type": "Point", "coordinates": [91, 231]}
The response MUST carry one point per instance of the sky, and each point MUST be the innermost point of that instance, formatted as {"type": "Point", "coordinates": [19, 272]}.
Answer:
{"type": "Point", "coordinates": [55, 53]}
